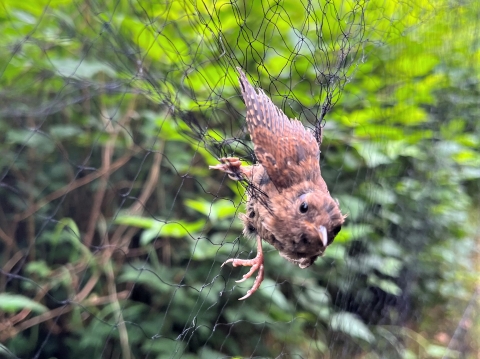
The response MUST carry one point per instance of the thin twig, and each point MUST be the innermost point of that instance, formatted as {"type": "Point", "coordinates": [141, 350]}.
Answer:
{"type": "Point", "coordinates": [74, 185]}
{"type": "Point", "coordinates": [94, 301]}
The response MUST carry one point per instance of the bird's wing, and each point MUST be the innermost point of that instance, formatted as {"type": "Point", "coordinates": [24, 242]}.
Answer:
{"type": "Point", "coordinates": [287, 150]}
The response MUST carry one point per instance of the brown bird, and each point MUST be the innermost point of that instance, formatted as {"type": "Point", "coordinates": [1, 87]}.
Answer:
{"type": "Point", "coordinates": [288, 203]}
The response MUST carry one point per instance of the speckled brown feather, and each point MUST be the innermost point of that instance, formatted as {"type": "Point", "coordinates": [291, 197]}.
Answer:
{"type": "Point", "coordinates": [288, 203]}
{"type": "Point", "coordinates": [288, 167]}
{"type": "Point", "coordinates": [280, 143]}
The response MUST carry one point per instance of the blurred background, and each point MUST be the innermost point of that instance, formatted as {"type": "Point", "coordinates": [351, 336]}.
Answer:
{"type": "Point", "coordinates": [113, 230]}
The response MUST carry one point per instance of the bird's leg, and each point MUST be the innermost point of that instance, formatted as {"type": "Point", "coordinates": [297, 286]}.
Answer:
{"type": "Point", "coordinates": [233, 167]}
{"type": "Point", "coordinates": [256, 264]}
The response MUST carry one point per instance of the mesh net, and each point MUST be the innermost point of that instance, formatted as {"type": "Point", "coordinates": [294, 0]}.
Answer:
{"type": "Point", "coordinates": [113, 229]}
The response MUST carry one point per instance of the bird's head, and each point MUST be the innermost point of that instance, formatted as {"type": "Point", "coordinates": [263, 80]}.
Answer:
{"type": "Point", "coordinates": [304, 221]}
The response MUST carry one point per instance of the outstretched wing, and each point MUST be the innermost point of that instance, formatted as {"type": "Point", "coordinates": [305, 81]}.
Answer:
{"type": "Point", "coordinates": [287, 150]}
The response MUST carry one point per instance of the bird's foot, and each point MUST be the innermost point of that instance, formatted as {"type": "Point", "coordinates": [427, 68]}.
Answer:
{"type": "Point", "coordinates": [256, 264]}
{"type": "Point", "coordinates": [231, 166]}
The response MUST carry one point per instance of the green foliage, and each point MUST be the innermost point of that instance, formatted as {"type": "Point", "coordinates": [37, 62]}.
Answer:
{"type": "Point", "coordinates": [113, 230]}
{"type": "Point", "coordinates": [10, 303]}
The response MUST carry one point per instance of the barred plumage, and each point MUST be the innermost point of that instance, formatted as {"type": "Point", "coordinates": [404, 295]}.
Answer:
{"type": "Point", "coordinates": [288, 203]}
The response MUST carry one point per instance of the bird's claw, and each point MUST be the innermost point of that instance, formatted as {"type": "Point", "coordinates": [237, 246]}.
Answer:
{"type": "Point", "coordinates": [256, 264]}
{"type": "Point", "coordinates": [231, 166]}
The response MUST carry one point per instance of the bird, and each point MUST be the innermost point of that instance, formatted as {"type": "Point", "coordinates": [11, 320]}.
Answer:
{"type": "Point", "coordinates": [288, 203]}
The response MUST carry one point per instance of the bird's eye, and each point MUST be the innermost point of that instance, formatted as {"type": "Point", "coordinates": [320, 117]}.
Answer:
{"type": "Point", "coordinates": [303, 207]}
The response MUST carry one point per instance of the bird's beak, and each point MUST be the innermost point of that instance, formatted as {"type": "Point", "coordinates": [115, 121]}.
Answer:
{"type": "Point", "coordinates": [322, 231]}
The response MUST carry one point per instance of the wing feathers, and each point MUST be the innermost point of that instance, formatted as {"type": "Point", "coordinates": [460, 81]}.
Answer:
{"type": "Point", "coordinates": [286, 149]}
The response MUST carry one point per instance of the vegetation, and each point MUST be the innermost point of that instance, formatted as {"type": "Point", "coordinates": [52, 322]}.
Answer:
{"type": "Point", "coordinates": [112, 228]}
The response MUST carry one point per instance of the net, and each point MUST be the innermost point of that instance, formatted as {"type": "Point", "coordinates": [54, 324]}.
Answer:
{"type": "Point", "coordinates": [113, 229]}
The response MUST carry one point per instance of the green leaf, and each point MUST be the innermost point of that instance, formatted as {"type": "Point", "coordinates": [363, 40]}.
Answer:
{"type": "Point", "coordinates": [384, 284]}
{"type": "Point", "coordinates": [24, 17]}
{"type": "Point", "coordinates": [38, 141]}
{"type": "Point", "coordinates": [80, 68]}
{"type": "Point", "coordinates": [372, 154]}
{"type": "Point", "coordinates": [203, 249]}
{"type": "Point", "coordinates": [160, 281]}
{"type": "Point", "coordinates": [352, 206]}
{"type": "Point", "coordinates": [437, 351]}
{"type": "Point", "coordinates": [179, 229]}
{"type": "Point", "coordinates": [157, 228]}
{"type": "Point", "coordinates": [271, 291]}
{"type": "Point", "coordinates": [39, 268]}
{"type": "Point", "coordinates": [219, 209]}
{"type": "Point", "coordinates": [12, 303]}
{"type": "Point", "coordinates": [351, 325]}
{"type": "Point", "coordinates": [65, 131]}
{"type": "Point", "coordinates": [380, 194]}
{"type": "Point", "coordinates": [135, 221]}
{"type": "Point", "coordinates": [354, 231]}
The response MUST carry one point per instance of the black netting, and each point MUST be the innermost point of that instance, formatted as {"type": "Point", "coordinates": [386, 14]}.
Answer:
{"type": "Point", "coordinates": [113, 229]}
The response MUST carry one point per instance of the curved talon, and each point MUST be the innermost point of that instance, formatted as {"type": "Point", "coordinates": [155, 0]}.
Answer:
{"type": "Point", "coordinates": [227, 261]}
{"type": "Point", "coordinates": [231, 166]}
{"type": "Point", "coordinates": [256, 264]}
{"type": "Point", "coordinates": [250, 272]}
{"type": "Point", "coordinates": [256, 284]}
